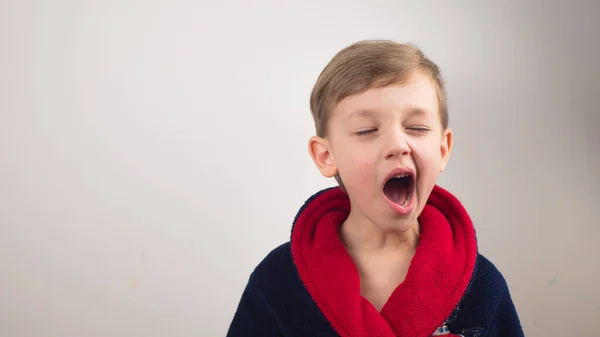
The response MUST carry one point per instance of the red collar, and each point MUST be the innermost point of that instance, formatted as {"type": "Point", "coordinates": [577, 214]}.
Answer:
{"type": "Point", "coordinates": [437, 278]}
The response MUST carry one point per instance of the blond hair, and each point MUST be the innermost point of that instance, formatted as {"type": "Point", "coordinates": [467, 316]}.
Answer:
{"type": "Point", "coordinates": [370, 64]}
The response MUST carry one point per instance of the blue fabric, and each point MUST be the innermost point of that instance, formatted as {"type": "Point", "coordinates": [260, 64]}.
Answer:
{"type": "Point", "coordinates": [276, 303]}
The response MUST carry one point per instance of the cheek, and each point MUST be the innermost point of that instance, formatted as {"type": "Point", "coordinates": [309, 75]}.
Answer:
{"type": "Point", "coordinates": [358, 170]}
{"type": "Point", "coordinates": [427, 155]}
{"type": "Point", "coordinates": [359, 179]}
{"type": "Point", "coordinates": [428, 148]}
{"type": "Point", "coordinates": [365, 169]}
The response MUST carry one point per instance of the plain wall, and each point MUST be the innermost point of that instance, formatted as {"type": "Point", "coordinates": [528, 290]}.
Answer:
{"type": "Point", "coordinates": [152, 153]}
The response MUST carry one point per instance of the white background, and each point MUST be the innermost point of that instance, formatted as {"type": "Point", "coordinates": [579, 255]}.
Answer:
{"type": "Point", "coordinates": [152, 153]}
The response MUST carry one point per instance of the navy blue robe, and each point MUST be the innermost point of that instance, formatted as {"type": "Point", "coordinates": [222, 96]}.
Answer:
{"type": "Point", "coordinates": [309, 286]}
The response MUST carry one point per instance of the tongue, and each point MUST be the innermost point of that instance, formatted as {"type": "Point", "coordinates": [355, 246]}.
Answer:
{"type": "Point", "coordinates": [396, 189]}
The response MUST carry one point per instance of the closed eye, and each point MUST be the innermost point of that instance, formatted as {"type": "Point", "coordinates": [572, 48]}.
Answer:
{"type": "Point", "coordinates": [366, 132]}
{"type": "Point", "coordinates": [419, 129]}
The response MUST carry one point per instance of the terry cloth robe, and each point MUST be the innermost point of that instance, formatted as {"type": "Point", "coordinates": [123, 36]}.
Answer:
{"type": "Point", "coordinates": [310, 286]}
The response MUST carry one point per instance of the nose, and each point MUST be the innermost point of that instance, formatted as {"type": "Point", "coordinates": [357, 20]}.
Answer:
{"type": "Point", "coordinates": [396, 145]}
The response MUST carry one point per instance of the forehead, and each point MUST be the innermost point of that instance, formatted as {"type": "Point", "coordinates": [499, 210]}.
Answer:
{"type": "Point", "coordinates": [417, 95]}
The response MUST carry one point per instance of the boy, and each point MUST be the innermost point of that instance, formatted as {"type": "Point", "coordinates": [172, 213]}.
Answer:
{"type": "Point", "coordinates": [388, 252]}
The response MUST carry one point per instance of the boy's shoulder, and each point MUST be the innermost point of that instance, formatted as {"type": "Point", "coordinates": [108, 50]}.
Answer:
{"type": "Point", "coordinates": [487, 303]}
{"type": "Point", "coordinates": [277, 264]}
{"type": "Point", "coordinates": [279, 254]}
{"type": "Point", "coordinates": [487, 277]}
{"type": "Point", "coordinates": [277, 281]}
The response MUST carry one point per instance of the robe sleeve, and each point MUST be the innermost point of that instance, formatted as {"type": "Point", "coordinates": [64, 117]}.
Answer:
{"type": "Point", "coordinates": [506, 321]}
{"type": "Point", "coordinates": [253, 316]}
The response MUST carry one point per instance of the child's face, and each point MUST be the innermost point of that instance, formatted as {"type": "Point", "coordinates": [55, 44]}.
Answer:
{"type": "Point", "coordinates": [382, 132]}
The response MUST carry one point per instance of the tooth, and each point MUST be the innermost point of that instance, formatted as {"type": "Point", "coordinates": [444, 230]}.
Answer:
{"type": "Point", "coordinates": [407, 199]}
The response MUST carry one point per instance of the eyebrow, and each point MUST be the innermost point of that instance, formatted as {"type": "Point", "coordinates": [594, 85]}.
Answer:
{"type": "Point", "coordinates": [414, 111]}
{"type": "Point", "coordinates": [360, 113]}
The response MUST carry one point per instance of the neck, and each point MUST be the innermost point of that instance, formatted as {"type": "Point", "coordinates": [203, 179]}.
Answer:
{"type": "Point", "coordinates": [361, 234]}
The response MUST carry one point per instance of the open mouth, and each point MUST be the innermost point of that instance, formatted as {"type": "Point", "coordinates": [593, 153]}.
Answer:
{"type": "Point", "coordinates": [399, 189]}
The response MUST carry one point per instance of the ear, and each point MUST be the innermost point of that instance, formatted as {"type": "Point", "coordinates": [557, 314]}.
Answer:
{"type": "Point", "coordinates": [445, 148]}
{"type": "Point", "coordinates": [319, 149]}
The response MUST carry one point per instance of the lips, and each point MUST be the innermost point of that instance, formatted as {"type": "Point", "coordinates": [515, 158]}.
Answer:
{"type": "Point", "coordinates": [399, 190]}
